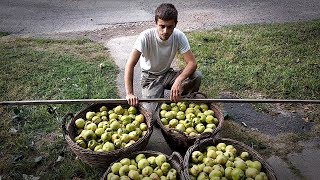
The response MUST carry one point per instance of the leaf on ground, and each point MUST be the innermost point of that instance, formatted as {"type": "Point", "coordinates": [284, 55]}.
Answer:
{"type": "Point", "coordinates": [30, 177]}
{"type": "Point", "coordinates": [13, 130]}
{"type": "Point", "coordinates": [18, 157]}
{"type": "Point", "coordinates": [38, 159]}
{"type": "Point", "coordinates": [16, 118]}
{"type": "Point", "coordinates": [60, 158]}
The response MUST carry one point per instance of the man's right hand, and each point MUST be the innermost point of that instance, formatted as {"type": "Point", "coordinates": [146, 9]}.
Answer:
{"type": "Point", "coordinates": [132, 100]}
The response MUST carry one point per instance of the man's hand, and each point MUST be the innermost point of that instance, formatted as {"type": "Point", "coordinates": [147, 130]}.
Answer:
{"type": "Point", "coordinates": [128, 77]}
{"type": "Point", "coordinates": [132, 100]}
{"type": "Point", "coordinates": [176, 91]}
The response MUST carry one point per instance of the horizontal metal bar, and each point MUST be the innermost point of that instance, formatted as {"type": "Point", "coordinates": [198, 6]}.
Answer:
{"type": "Point", "coordinates": [121, 101]}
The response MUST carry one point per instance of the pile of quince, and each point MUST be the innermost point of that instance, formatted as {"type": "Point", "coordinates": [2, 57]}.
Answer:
{"type": "Point", "coordinates": [224, 162]}
{"type": "Point", "coordinates": [110, 129]}
{"type": "Point", "coordinates": [143, 167]}
{"type": "Point", "coordinates": [190, 118]}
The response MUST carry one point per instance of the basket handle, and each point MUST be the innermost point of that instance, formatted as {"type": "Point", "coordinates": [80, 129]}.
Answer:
{"type": "Point", "coordinates": [175, 156]}
{"type": "Point", "coordinates": [149, 114]}
{"type": "Point", "coordinates": [64, 120]}
{"type": "Point", "coordinates": [186, 161]}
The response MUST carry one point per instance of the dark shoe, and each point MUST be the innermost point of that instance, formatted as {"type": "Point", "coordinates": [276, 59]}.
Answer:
{"type": "Point", "coordinates": [195, 95]}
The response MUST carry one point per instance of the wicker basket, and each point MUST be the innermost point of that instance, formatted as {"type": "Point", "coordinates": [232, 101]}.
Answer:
{"type": "Point", "coordinates": [175, 160]}
{"type": "Point", "coordinates": [179, 141]}
{"type": "Point", "coordinates": [202, 144]}
{"type": "Point", "coordinates": [102, 160]}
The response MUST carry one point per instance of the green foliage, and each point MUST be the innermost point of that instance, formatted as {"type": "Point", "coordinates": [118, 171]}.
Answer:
{"type": "Point", "coordinates": [278, 60]}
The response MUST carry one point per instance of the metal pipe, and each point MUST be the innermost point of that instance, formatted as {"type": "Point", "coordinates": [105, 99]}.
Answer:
{"type": "Point", "coordinates": [121, 101]}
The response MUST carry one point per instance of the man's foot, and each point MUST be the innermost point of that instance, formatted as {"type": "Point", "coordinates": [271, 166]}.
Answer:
{"type": "Point", "coordinates": [196, 95]}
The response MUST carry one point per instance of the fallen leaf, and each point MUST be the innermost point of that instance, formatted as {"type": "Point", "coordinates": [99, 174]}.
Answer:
{"type": "Point", "coordinates": [60, 158]}
{"type": "Point", "coordinates": [243, 123]}
{"type": "Point", "coordinates": [13, 130]}
{"type": "Point", "coordinates": [38, 159]}
{"type": "Point", "coordinates": [30, 177]}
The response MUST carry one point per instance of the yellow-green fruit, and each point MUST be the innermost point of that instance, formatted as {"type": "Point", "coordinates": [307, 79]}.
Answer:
{"type": "Point", "coordinates": [80, 123]}
{"type": "Point", "coordinates": [132, 110]}
{"type": "Point", "coordinates": [125, 161]}
{"type": "Point", "coordinates": [91, 126]}
{"type": "Point", "coordinates": [81, 143]}
{"type": "Point", "coordinates": [98, 147]}
{"type": "Point", "coordinates": [139, 157]}
{"type": "Point", "coordinates": [251, 172]}
{"type": "Point", "coordinates": [113, 116]}
{"type": "Point", "coordinates": [116, 167]}
{"type": "Point", "coordinates": [124, 169]}
{"type": "Point", "coordinates": [108, 146]}
{"type": "Point", "coordinates": [139, 118]}
{"type": "Point", "coordinates": [237, 174]}
{"type": "Point", "coordinates": [133, 174]}
{"type": "Point", "coordinates": [92, 144]}
{"type": "Point", "coordinates": [115, 125]}
{"type": "Point", "coordinates": [119, 110]}
{"type": "Point", "coordinates": [103, 108]}
{"type": "Point", "coordinates": [99, 131]}
{"type": "Point", "coordinates": [90, 114]}
{"type": "Point", "coordinates": [96, 119]}
{"type": "Point", "coordinates": [88, 135]}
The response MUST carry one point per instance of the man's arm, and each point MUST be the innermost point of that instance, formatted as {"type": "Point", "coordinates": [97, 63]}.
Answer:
{"type": "Point", "coordinates": [190, 68]}
{"type": "Point", "coordinates": [128, 77]}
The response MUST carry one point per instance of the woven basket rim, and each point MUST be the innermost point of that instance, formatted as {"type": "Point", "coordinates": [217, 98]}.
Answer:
{"type": "Point", "coordinates": [149, 153]}
{"type": "Point", "coordinates": [200, 145]}
{"type": "Point", "coordinates": [79, 150]}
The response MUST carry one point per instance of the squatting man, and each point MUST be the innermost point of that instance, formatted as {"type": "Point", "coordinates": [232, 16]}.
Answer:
{"type": "Point", "coordinates": [156, 49]}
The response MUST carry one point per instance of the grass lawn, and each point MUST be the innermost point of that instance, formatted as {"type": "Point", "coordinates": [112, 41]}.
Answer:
{"type": "Point", "coordinates": [31, 138]}
{"type": "Point", "coordinates": [276, 61]}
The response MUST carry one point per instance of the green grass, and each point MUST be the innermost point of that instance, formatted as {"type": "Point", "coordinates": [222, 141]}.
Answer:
{"type": "Point", "coordinates": [48, 69]}
{"type": "Point", "coordinates": [278, 61]}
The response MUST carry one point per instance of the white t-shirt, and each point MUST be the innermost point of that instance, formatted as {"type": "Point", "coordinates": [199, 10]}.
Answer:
{"type": "Point", "coordinates": [156, 54]}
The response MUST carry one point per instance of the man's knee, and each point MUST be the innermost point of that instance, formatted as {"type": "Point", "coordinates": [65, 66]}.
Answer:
{"type": "Point", "coordinates": [195, 78]}
{"type": "Point", "coordinates": [193, 83]}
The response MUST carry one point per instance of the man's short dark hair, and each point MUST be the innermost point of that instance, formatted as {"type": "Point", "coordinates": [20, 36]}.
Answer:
{"type": "Point", "coordinates": [166, 12]}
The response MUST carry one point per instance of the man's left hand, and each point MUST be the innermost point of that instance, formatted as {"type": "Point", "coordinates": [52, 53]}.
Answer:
{"type": "Point", "coordinates": [176, 91]}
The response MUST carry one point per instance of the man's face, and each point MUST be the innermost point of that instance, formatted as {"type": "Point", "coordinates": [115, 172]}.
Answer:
{"type": "Point", "coordinates": [165, 28]}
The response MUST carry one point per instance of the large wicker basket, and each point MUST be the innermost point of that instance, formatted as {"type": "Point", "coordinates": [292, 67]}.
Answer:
{"type": "Point", "coordinates": [202, 144]}
{"type": "Point", "coordinates": [179, 141]}
{"type": "Point", "coordinates": [102, 160]}
{"type": "Point", "coordinates": [175, 160]}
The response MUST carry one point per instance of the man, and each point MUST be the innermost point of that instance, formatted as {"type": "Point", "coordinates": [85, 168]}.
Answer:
{"type": "Point", "coordinates": [156, 49]}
